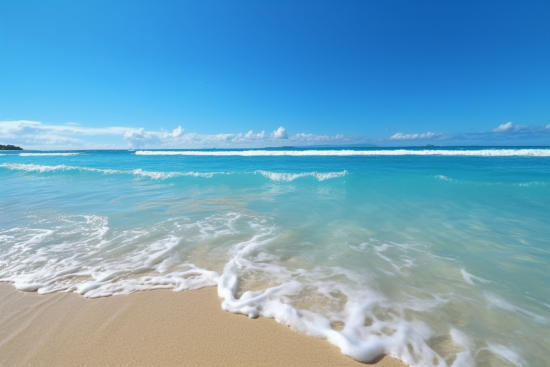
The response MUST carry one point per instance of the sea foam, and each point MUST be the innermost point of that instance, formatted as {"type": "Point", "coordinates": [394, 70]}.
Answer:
{"type": "Point", "coordinates": [68, 254]}
{"type": "Point", "coordinates": [274, 176]}
{"type": "Point", "coordinates": [320, 176]}
{"type": "Point", "coordinates": [83, 254]}
{"type": "Point", "coordinates": [395, 152]}
{"type": "Point", "coordinates": [47, 154]}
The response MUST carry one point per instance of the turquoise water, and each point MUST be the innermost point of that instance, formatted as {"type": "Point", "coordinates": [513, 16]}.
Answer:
{"type": "Point", "coordinates": [438, 257]}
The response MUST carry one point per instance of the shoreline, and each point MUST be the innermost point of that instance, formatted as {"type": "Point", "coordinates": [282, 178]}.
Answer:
{"type": "Point", "coordinates": [159, 327]}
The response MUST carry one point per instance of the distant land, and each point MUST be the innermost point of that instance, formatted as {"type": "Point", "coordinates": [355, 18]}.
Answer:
{"type": "Point", "coordinates": [9, 147]}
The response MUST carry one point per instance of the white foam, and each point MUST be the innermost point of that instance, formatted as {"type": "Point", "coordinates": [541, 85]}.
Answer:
{"type": "Point", "coordinates": [395, 152]}
{"type": "Point", "coordinates": [73, 257]}
{"type": "Point", "coordinates": [506, 354]}
{"type": "Point", "coordinates": [83, 254]}
{"type": "Point", "coordinates": [166, 175]}
{"type": "Point", "coordinates": [274, 176]}
{"type": "Point", "coordinates": [320, 176]}
{"type": "Point", "coordinates": [464, 358]}
{"type": "Point", "coordinates": [47, 154]}
{"type": "Point", "coordinates": [469, 278]}
{"type": "Point", "coordinates": [395, 336]}
{"type": "Point", "coordinates": [47, 168]}
{"type": "Point", "coordinates": [138, 172]}
{"type": "Point", "coordinates": [501, 303]}
{"type": "Point", "coordinates": [532, 183]}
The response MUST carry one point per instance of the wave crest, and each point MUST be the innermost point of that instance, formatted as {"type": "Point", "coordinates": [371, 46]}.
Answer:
{"type": "Point", "coordinates": [396, 152]}
{"type": "Point", "coordinates": [287, 177]}
{"type": "Point", "coordinates": [274, 176]}
{"type": "Point", "coordinates": [47, 154]}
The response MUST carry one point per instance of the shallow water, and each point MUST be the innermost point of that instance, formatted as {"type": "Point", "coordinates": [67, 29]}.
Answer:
{"type": "Point", "coordinates": [438, 257]}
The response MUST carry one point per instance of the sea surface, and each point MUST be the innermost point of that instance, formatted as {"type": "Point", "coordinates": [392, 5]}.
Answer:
{"type": "Point", "coordinates": [436, 256]}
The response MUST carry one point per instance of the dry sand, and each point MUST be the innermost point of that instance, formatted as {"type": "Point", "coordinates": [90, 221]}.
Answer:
{"type": "Point", "coordinates": [155, 328]}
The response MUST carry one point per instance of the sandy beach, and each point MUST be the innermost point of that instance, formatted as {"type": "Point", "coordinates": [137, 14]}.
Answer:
{"type": "Point", "coordinates": [154, 328]}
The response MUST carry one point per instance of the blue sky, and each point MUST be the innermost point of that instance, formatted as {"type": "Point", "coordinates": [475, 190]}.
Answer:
{"type": "Point", "coordinates": [189, 74]}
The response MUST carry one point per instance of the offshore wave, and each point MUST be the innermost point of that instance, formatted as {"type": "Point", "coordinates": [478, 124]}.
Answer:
{"type": "Point", "coordinates": [138, 172]}
{"type": "Point", "coordinates": [46, 168]}
{"type": "Point", "coordinates": [396, 152]}
{"type": "Point", "coordinates": [320, 176]}
{"type": "Point", "coordinates": [47, 154]}
{"type": "Point", "coordinates": [470, 182]}
{"type": "Point", "coordinates": [274, 176]}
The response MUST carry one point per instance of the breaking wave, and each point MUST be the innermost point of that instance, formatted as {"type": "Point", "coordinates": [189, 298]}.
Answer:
{"type": "Point", "coordinates": [344, 306]}
{"type": "Point", "coordinates": [274, 176]}
{"type": "Point", "coordinates": [320, 176]}
{"type": "Point", "coordinates": [47, 154]}
{"type": "Point", "coordinates": [396, 152]}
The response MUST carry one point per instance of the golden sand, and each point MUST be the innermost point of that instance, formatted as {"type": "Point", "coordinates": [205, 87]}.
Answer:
{"type": "Point", "coordinates": [154, 328]}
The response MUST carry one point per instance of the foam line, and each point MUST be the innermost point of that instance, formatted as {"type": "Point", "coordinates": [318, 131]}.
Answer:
{"type": "Point", "coordinates": [274, 176]}
{"type": "Point", "coordinates": [320, 176]}
{"type": "Point", "coordinates": [396, 152]}
{"type": "Point", "coordinates": [47, 154]}
{"type": "Point", "coordinates": [83, 254]}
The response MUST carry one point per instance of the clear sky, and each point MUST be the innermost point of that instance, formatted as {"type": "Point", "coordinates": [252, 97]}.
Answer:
{"type": "Point", "coordinates": [186, 74]}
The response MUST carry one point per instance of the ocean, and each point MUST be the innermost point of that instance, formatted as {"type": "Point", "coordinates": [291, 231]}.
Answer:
{"type": "Point", "coordinates": [436, 256]}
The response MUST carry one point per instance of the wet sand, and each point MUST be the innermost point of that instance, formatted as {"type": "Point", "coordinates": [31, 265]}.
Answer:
{"type": "Point", "coordinates": [154, 328]}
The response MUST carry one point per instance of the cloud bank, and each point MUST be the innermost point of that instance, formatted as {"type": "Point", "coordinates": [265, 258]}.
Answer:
{"type": "Point", "coordinates": [43, 136]}
{"type": "Point", "coordinates": [506, 132]}
{"type": "Point", "coordinates": [37, 135]}
{"type": "Point", "coordinates": [428, 135]}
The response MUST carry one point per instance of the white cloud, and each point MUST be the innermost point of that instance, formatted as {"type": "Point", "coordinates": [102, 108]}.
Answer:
{"type": "Point", "coordinates": [303, 138]}
{"type": "Point", "coordinates": [280, 133]}
{"type": "Point", "coordinates": [177, 132]}
{"type": "Point", "coordinates": [250, 135]}
{"type": "Point", "coordinates": [8, 128]}
{"type": "Point", "coordinates": [37, 135]}
{"type": "Point", "coordinates": [503, 127]}
{"type": "Point", "coordinates": [401, 136]}
{"type": "Point", "coordinates": [141, 138]}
